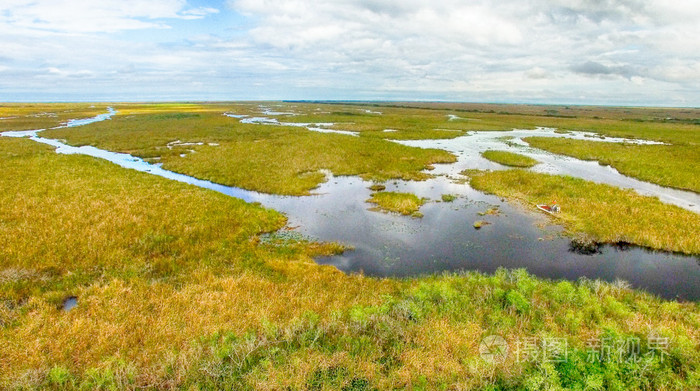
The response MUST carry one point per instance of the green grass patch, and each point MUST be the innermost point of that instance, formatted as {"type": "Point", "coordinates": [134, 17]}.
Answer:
{"type": "Point", "coordinates": [606, 213]}
{"type": "Point", "coordinates": [666, 165]}
{"type": "Point", "coordinates": [509, 158]}
{"type": "Point", "coordinates": [404, 203]}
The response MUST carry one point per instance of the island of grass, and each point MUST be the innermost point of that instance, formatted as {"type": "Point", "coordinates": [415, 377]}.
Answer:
{"type": "Point", "coordinates": [509, 158]}
{"type": "Point", "coordinates": [606, 213]}
{"type": "Point", "coordinates": [403, 203]}
{"type": "Point", "coordinates": [448, 197]}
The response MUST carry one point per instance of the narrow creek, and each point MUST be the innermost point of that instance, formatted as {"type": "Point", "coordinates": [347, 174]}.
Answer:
{"type": "Point", "coordinates": [444, 239]}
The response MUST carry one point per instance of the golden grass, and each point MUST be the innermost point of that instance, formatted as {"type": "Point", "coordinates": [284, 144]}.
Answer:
{"type": "Point", "coordinates": [403, 203]}
{"type": "Point", "coordinates": [606, 213]}
{"type": "Point", "coordinates": [509, 158]}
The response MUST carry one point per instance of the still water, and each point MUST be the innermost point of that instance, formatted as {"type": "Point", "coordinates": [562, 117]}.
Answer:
{"type": "Point", "coordinates": [445, 239]}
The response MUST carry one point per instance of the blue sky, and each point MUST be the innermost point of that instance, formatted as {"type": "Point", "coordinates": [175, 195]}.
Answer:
{"type": "Point", "coordinates": [624, 52]}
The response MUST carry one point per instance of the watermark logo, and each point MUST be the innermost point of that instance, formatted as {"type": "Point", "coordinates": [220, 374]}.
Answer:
{"type": "Point", "coordinates": [493, 349]}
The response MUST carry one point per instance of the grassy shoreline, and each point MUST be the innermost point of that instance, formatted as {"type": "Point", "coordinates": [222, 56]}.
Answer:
{"type": "Point", "coordinates": [606, 213]}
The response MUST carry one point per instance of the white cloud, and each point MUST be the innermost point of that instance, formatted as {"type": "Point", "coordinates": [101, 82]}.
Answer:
{"type": "Point", "coordinates": [587, 51]}
{"type": "Point", "coordinates": [462, 47]}
{"type": "Point", "coordinates": [79, 16]}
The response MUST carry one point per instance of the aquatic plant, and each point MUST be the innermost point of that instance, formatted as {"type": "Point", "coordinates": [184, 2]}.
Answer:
{"type": "Point", "coordinates": [480, 223]}
{"type": "Point", "coordinates": [403, 203]}
{"type": "Point", "coordinates": [448, 197]}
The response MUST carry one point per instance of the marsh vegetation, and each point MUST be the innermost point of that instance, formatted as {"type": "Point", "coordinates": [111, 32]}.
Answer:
{"type": "Point", "coordinates": [181, 287]}
{"type": "Point", "coordinates": [666, 165]}
{"type": "Point", "coordinates": [606, 213]}
{"type": "Point", "coordinates": [403, 203]}
{"type": "Point", "coordinates": [509, 158]}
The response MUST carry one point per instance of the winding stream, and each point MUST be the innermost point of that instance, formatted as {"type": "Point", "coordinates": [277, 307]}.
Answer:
{"type": "Point", "coordinates": [444, 239]}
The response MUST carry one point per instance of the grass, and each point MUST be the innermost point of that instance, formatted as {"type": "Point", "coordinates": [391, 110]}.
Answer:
{"type": "Point", "coordinates": [146, 129]}
{"type": "Point", "coordinates": [403, 203]}
{"type": "Point", "coordinates": [184, 288]}
{"type": "Point", "coordinates": [270, 159]}
{"type": "Point", "coordinates": [606, 213]}
{"type": "Point", "coordinates": [509, 158]}
{"type": "Point", "coordinates": [666, 165]}
{"type": "Point", "coordinates": [30, 116]}
{"type": "Point", "coordinates": [678, 126]}
{"type": "Point", "coordinates": [448, 197]}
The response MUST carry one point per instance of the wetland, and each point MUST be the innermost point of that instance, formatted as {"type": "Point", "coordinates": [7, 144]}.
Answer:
{"type": "Point", "coordinates": [265, 192]}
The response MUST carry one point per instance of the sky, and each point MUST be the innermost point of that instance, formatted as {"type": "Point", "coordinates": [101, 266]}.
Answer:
{"type": "Point", "coordinates": [612, 52]}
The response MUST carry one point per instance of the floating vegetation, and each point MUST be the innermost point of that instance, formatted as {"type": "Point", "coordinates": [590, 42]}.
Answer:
{"type": "Point", "coordinates": [448, 197]}
{"type": "Point", "coordinates": [480, 223]}
{"type": "Point", "coordinates": [493, 211]}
